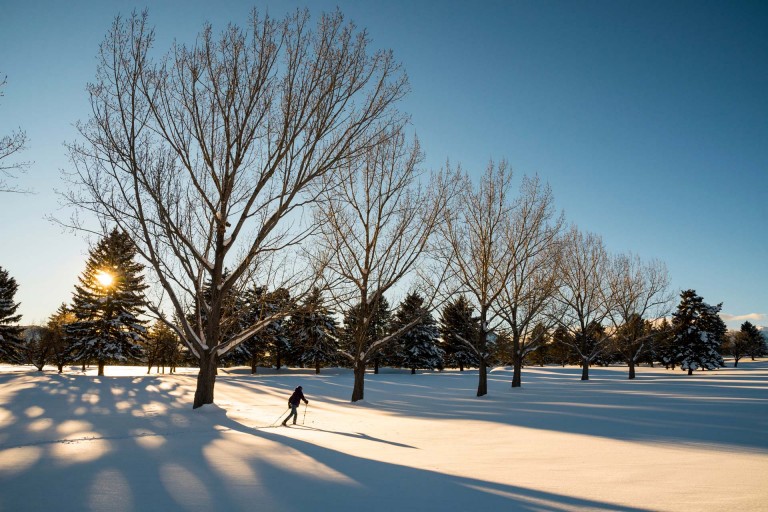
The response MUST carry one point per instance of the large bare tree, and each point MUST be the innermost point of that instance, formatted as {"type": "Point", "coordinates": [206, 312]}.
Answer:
{"type": "Point", "coordinates": [377, 220]}
{"type": "Point", "coordinates": [209, 156]}
{"type": "Point", "coordinates": [640, 298]}
{"type": "Point", "coordinates": [10, 146]}
{"type": "Point", "coordinates": [476, 251]}
{"type": "Point", "coordinates": [527, 298]}
{"type": "Point", "coordinates": [584, 295]}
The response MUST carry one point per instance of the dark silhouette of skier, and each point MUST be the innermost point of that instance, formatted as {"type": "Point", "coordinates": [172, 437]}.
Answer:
{"type": "Point", "coordinates": [293, 403]}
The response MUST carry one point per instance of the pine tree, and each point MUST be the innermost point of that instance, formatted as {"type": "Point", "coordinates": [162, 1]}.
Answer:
{"type": "Point", "coordinates": [107, 304]}
{"type": "Point", "coordinates": [417, 347]}
{"type": "Point", "coordinates": [273, 340]}
{"type": "Point", "coordinates": [314, 331]}
{"type": "Point", "coordinates": [10, 335]}
{"type": "Point", "coordinates": [458, 329]}
{"type": "Point", "coordinates": [698, 333]}
{"type": "Point", "coordinates": [59, 341]}
{"type": "Point", "coordinates": [377, 329]}
{"type": "Point", "coordinates": [755, 342]}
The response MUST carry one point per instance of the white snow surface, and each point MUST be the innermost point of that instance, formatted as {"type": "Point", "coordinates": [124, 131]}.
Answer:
{"type": "Point", "coordinates": [132, 442]}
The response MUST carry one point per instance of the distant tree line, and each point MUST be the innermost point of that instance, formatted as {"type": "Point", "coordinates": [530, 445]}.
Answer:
{"type": "Point", "coordinates": [103, 325]}
{"type": "Point", "coordinates": [266, 179]}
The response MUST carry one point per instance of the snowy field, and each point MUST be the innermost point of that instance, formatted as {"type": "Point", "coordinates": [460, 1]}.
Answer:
{"type": "Point", "coordinates": [131, 442]}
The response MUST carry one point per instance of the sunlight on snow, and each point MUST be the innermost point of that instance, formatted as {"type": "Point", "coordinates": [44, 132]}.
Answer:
{"type": "Point", "coordinates": [185, 488]}
{"type": "Point", "coordinates": [40, 425]}
{"type": "Point", "coordinates": [147, 440]}
{"type": "Point", "coordinates": [19, 460]}
{"type": "Point", "coordinates": [91, 398]}
{"type": "Point", "coordinates": [72, 426]}
{"type": "Point", "coordinates": [34, 411]}
{"type": "Point", "coordinates": [234, 467]}
{"type": "Point", "coordinates": [110, 492]}
{"type": "Point", "coordinates": [7, 418]}
{"type": "Point", "coordinates": [294, 461]}
{"type": "Point", "coordinates": [71, 450]}
{"type": "Point", "coordinates": [124, 405]}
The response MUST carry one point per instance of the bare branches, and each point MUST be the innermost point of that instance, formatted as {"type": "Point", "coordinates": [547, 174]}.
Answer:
{"type": "Point", "coordinates": [10, 146]}
{"type": "Point", "coordinates": [209, 157]}
{"type": "Point", "coordinates": [376, 220]}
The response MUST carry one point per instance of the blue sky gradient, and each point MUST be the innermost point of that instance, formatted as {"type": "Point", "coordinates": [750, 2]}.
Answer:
{"type": "Point", "coordinates": [648, 119]}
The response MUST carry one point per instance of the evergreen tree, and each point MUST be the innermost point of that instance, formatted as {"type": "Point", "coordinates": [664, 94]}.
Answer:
{"type": "Point", "coordinates": [107, 304]}
{"type": "Point", "coordinates": [59, 341]}
{"type": "Point", "coordinates": [378, 328]}
{"type": "Point", "coordinates": [663, 344]}
{"type": "Point", "coordinates": [10, 335]}
{"type": "Point", "coordinates": [458, 330]}
{"type": "Point", "coordinates": [698, 333]}
{"type": "Point", "coordinates": [561, 347]}
{"type": "Point", "coordinates": [540, 355]}
{"type": "Point", "coordinates": [417, 347]}
{"type": "Point", "coordinates": [314, 332]}
{"type": "Point", "coordinates": [756, 343]}
{"type": "Point", "coordinates": [273, 340]}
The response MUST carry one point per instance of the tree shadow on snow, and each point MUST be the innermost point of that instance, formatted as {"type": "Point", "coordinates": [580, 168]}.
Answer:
{"type": "Point", "coordinates": [122, 444]}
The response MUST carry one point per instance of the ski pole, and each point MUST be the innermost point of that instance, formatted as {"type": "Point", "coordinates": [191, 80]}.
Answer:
{"type": "Point", "coordinates": [305, 414]}
{"type": "Point", "coordinates": [278, 418]}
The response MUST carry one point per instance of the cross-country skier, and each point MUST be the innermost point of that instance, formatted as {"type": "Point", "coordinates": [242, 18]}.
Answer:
{"type": "Point", "coordinates": [293, 403]}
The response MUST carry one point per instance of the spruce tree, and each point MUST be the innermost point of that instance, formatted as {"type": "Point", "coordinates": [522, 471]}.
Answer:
{"type": "Point", "coordinates": [10, 335]}
{"type": "Point", "coordinates": [377, 329]}
{"type": "Point", "coordinates": [107, 304]}
{"type": "Point", "coordinates": [273, 340]}
{"type": "Point", "coordinates": [755, 342]}
{"type": "Point", "coordinates": [314, 331]}
{"type": "Point", "coordinates": [698, 333]}
{"type": "Point", "coordinates": [458, 329]}
{"type": "Point", "coordinates": [417, 347]}
{"type": "Point", "coordinates": [59, 342]}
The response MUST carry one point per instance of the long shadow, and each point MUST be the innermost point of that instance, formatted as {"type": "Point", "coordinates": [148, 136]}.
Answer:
{"type": "Point", "coordinates": [709, 409]}
{"type": "Point", "coordinates": [122, 444]}
{"type": "Point", "coordinates": [717, 409]}
{"type": "Point", "coordinates": [355, 435]}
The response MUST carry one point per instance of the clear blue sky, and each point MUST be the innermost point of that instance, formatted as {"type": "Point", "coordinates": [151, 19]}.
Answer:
{"type": "Point", "coordinates": [649, 119]}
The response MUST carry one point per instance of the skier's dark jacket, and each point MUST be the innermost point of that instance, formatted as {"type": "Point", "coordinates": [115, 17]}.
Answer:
{"type": "Point", "coordinates": [297, 397]}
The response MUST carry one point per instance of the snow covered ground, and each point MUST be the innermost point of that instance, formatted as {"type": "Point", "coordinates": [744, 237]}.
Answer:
{"type": "Point", "coordinates": [130, 441]}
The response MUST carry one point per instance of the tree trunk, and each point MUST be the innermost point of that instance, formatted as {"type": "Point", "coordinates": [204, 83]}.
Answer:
{"type": "Point", "coordinates": [631, 368]}
{"type": "Point", "coordinates": [358, 390]}
{"type": "Point", "coordinates": [413, 371]}
{"type": "Point", "coordinates": [376, 367]}
{"type": "Point", "coordinates": [206, 379]}
{"type": "Point", "coordinates": [585, 369]}
{"type": "Point", "coordinates": [317, 367]}
{"type": "Point", "coordinates": [482, 384]}
{"type": "Point", "coordinates": [461, 367]}
{"type": "Point", "coordinates": [517, 371]}
{"type": "Point", "coordinates": [101, 369]}
{"type": "Point", "coordinates": [517, 362]}
{"type": "Point", "coordinates": [690, 371]}
{"type": "Point", "coordinates": [61, 367]}
{"type": "Point", "coordinates": [735, 362]}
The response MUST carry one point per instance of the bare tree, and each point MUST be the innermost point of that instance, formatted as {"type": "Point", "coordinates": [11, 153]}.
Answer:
{"type": "Point", "coordinates": [11, 145]}
{"type": "Point", "coordinates": [532, 237]}
{"type": "Point", "coordinates": [376, 222]}
{"type": "Point", "coordinates": [584, 295]}
{"type": "Point", "coordinates": [207, 156]}
{"type": "Point", "coordinates": [480, 261]}
{"type": "Point", "coordinates": [640, 297]}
